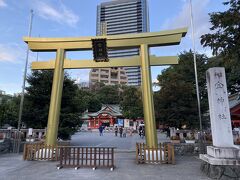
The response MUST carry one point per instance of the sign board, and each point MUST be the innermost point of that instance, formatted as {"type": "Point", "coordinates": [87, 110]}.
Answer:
{"type": "Point", "coordinates": [99, 47]}
{"type": "Point", "coordinates": [30, 131]}
{"type": "Point", "coordinates": [126, 123]}
{"type": "Point", "coordinates": [120, 122]}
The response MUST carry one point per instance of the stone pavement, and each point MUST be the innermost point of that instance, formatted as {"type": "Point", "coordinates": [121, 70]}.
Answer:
{"type": "Point", "coordinates": [12, 167]}
{"type": "Point", "coordinates": [109, 139]}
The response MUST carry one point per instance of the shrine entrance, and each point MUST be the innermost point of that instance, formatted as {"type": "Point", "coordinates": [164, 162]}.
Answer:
{"type": "Point", "coordinates": [108, 116]}
{"type": "Point", "coordinates": [143, 41]}
{"type": "Point", "coordinates": [105, 123]}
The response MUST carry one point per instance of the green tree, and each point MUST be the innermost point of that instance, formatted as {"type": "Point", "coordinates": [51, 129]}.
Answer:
{"type": "Point", "coordinates": [109, 94]}
{"type": "Point", "coordinates": [96, 86]}
{"type": "Point", "coordinates": [37, 102]}
{"type": "Point", "coordinates": [225, 42]}
{"type": "Point", "coordinates": [9, 108]}
{"type": "Point", "coordinates": [176, 102]}
{"type": "Point", "coordinates": [131, 103]}
{"type": "Point", "coordinates": [90, 100]}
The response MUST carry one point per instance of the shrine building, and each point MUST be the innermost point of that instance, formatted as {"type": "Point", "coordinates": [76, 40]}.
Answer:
{"type": "Point", "coordinates": [234, 103]}
{"type": "Point", "coordinates": [108, 116]}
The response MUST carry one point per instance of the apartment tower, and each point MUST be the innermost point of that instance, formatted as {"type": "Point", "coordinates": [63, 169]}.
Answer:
{"type": "Point", "coordinates": [123, 17]}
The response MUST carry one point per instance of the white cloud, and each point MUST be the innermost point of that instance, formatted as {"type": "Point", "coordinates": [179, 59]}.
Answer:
{"type": "Point", "coordinates": [2, 3]}
{"type": "Point", "coordinates": [62, 15]}
{"type": "Point", "coordinates": [5, 56]}
{"type": "Point", "coordinates": [14, 53]}
{"type": "Point", "coordinates": [182, 19]}
{"type": "Point", "coordinates": [200, 20]}
{"type": "Point", "coordinates": [10, 53]}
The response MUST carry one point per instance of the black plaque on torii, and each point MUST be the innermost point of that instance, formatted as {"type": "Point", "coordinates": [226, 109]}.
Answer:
{"type": "Point", "coordinates": [100, 52]}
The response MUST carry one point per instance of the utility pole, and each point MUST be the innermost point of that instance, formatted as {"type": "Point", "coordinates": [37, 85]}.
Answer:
{"type": "Point", "coordinates": [23, 85]}
{"type": "Point", "coordinates": [196, 74]}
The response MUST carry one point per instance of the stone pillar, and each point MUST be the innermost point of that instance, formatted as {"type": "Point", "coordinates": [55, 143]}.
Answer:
{"type": "Point", "coordinates": [219, 108]}
{"type": "Point", "coordinates": [172, 131]}
{"type": "Point", "coordinates": [223, 155]}
{"type": "Point", "coordinates": [181, 135]}
{"type": "Point", "coordinates": [40, 135]}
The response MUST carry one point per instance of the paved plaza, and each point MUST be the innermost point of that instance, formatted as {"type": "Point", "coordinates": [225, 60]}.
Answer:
{"type": "Point", "coordinates": [12, 167]}
{"type": "Point", "coordinates": [109, 139]}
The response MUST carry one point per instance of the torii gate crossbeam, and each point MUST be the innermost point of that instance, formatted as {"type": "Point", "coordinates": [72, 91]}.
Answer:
{"type": "Point", "coordinates": [141, 40]}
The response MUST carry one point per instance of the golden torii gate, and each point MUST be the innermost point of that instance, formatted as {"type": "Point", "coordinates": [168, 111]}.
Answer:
{"type": "Point", "coordinates": [141, 40]}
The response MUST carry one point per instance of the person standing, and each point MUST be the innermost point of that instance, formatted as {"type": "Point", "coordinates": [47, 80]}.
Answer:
{"type": "Point", "coordinates": [124, 132]}
{"type": "Point", "coordinates": [116, 130]}
{"type": "Point", "coordinates": [101, 130]}
{"type": "Point", "coordinates": [168, 132]}
{"type": "Point", "coordinates": [131, 131]}
{"type": "Point", "coordinates": [120, 131]}
{"type": "Point", "coordinates": [140, 131]}
{"type": "Point", "coordinates": [143, 132]}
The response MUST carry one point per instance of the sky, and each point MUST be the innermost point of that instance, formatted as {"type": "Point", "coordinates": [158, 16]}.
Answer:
{"type": "Point", "coordinates": [75, 18]}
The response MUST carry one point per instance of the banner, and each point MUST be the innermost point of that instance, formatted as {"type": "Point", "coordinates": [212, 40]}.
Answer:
{"type": "Point", "coordinates": [120, 122]}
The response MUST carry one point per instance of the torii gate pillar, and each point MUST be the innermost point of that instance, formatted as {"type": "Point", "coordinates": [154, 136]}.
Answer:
{"type": "Point", "coordinates": [148, 106]}
{"type": "Point", "coordinates": [56, 98]}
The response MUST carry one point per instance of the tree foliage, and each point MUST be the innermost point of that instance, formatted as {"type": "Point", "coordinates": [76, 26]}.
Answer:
{"type": "Point", "coordinates": [109, 94]}
{"type": "Point", "coordinates": [90, 100]}
{"type": "Point", "coordinates": [232, 70]}
{"type": "Point", "coordinates": [225, 38]}
{"type": "Point", "coordinates": [176, 102]}
{"type": "Point", "coordinates": [37, 102]}
{"type": "Point", "coordinates": [225, 42]}
{"type": "Point", "coordinates": [131, 103]}
{"type": "Point", "coordinates": [9, 108]}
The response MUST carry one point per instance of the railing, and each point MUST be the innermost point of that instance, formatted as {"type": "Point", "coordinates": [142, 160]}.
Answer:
{"type": "Point", "coordinates": [162, 154]}
{"type": "Point", "coordinates": [12, 133]}
{"type": "Point", "coordinates": [41, 151]}
{"type": "Point", "coordinates": [93, 157]}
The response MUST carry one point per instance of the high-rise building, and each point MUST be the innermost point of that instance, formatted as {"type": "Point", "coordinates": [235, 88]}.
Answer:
{"type": "Point", "coordinates": [124, 17]}
{"type": "Point", "coordinates": [108, 76]}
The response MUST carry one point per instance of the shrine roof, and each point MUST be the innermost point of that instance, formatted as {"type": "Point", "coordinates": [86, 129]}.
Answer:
{"type": "Point", "coordinates": [111, 109]}
{"type": "Point", "coordinates": [234, 100]}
